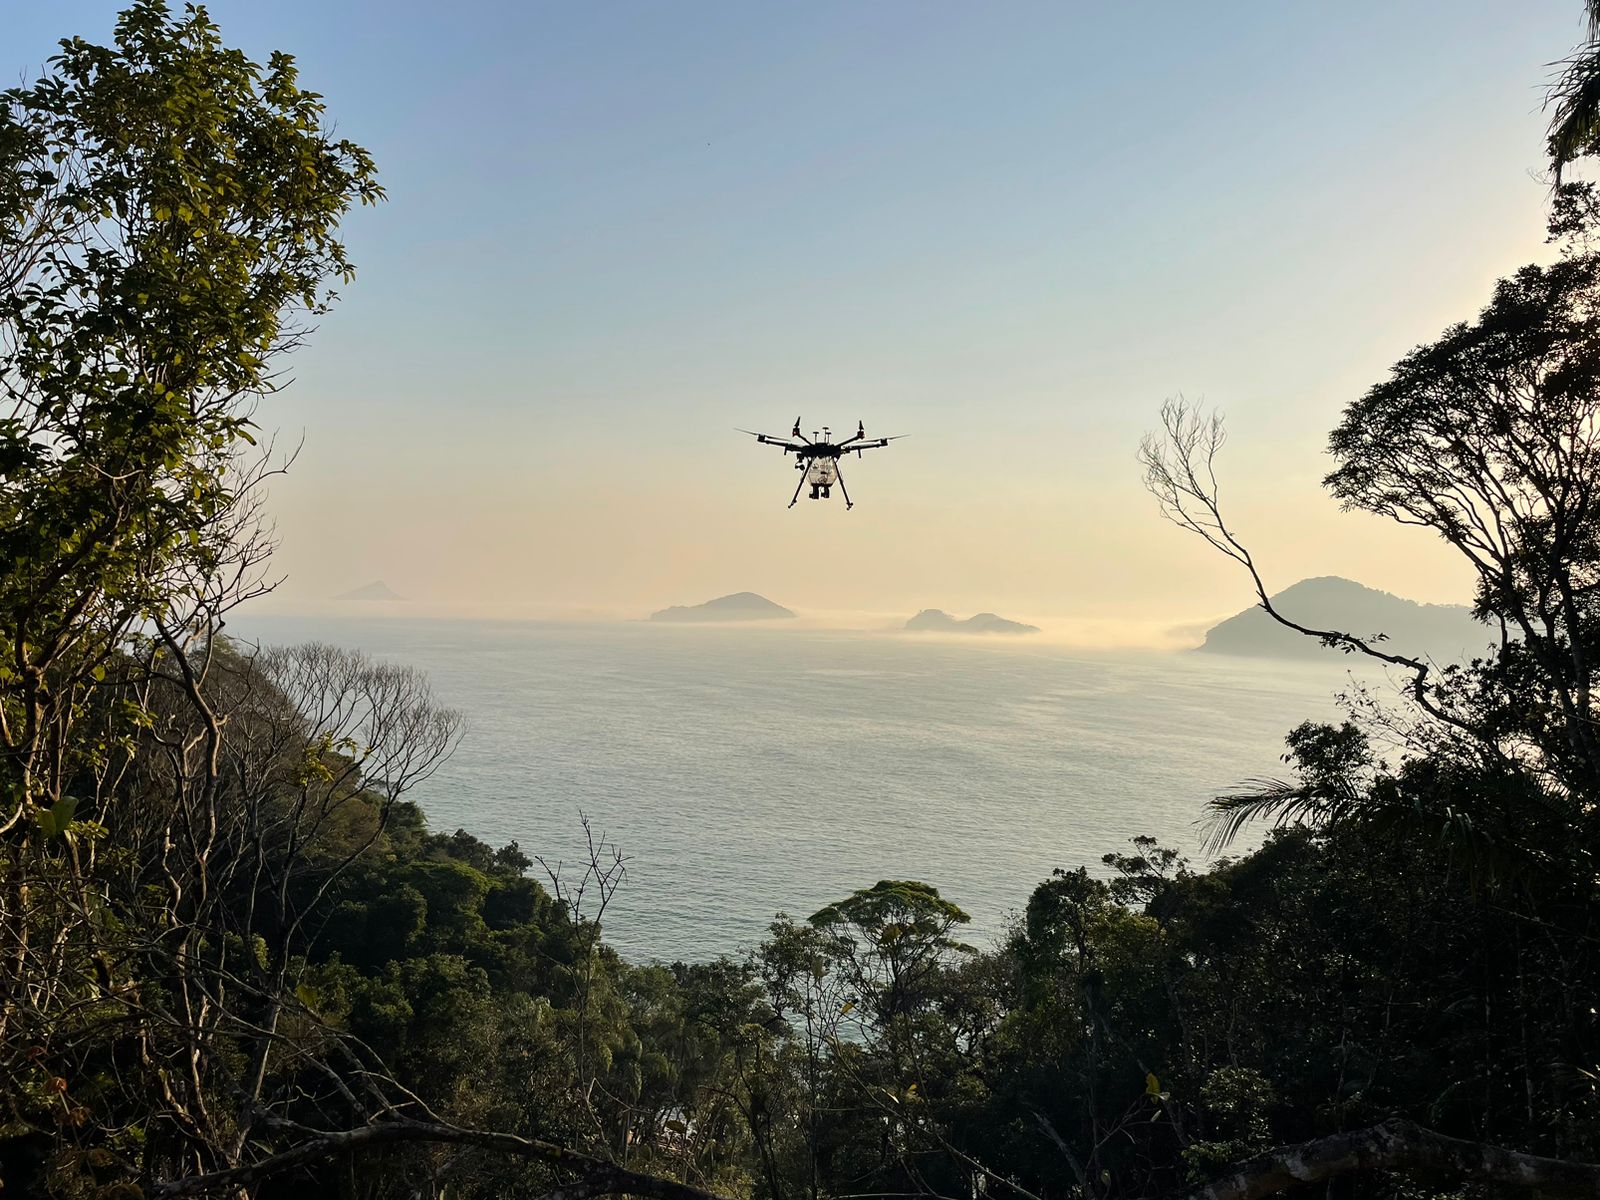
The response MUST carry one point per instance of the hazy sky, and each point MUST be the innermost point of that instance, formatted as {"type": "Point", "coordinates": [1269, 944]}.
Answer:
{"type": "Point", "coordinates": [618, 230]}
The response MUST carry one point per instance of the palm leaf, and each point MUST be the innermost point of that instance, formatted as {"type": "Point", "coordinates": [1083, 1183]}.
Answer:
{"type": "Point", "coordinates": [1275, 800]}
{"type": "Point", "coordinates": [1575, 97]}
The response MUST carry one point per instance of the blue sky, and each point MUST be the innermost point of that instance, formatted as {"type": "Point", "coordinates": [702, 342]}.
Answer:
{"type": "Point", "coordinates": [615, 231]}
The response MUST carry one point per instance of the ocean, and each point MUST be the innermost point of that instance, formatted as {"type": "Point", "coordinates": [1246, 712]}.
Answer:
{"type": "Point", "coordinates": [747, 771]}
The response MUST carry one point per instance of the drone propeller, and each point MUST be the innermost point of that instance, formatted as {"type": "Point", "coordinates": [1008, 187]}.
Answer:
{"type": "Point", "coordinates": [766, 439]}
{"type": "Point", "coordinates": [875, 444]}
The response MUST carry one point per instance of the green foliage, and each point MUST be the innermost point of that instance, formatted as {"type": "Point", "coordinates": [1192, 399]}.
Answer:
{"type": "Point", "coordinates": [1235, 1103]}
{"type": "Point", "coordinates": [893, 937]}
{"type": "Point", "coordinates": [170, 221]}
{"type": "Point", "coordinates": [169, 218]}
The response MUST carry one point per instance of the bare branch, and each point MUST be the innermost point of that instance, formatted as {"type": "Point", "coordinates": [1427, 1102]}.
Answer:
{"type": "Point", "coordinates": [1180, 472]}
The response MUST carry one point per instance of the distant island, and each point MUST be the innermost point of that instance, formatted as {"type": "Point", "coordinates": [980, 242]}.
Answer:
{"type": "Point", "coordinates": [741, 606]}
{"type": "Point", "coordinates": [376, 590]}
{"type": "Point", "coordinates": [1447, 632]}
{"type": "Point", "coordinates": [934, 620]}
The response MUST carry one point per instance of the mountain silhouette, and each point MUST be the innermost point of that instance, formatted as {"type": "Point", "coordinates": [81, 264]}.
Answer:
{"type": "Point", "coordinates": [936, 620]}
{"type": "Point", "coordinates": [1446, 632]}
{"type": "Point", "coordinates": [741, 606]}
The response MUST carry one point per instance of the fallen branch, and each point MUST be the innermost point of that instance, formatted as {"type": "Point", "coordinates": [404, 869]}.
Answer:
{"type": "Point", "coordinates": [1400, 1145]}
{"type": "Point", "coordinates": [595, 1177]}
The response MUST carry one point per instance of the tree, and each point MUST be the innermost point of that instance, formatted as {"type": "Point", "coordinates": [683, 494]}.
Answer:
{"type": "Point", "coordinates": [1489, 438]}
{"type": "Point", "coordinates": [170, 229]}
{"type": "Point", "coordinates": [892, 936]}
{"type": "Point", "coordinates": [168, 218]}
{"type": "Point", "coordinates": [178, 815]}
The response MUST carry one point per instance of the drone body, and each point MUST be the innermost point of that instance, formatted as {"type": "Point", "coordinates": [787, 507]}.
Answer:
{"type": "Point", "coordinates": [817, 458]}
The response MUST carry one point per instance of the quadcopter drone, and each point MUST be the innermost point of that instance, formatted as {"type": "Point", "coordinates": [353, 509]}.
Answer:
{"type": "Point", "coordinates": [817, 457]}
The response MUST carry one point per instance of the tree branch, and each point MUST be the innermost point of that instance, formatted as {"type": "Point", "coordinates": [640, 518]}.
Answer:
{"type": "Point", "coordinates": [1400, 1145]}
{"type": "Point", "coordinates": [1180, 472]}
{"type": "Point", "coordinates": [596, 1177]}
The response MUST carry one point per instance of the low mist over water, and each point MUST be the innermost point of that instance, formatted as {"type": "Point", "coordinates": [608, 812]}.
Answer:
{"type": "Point", "coordinates": [750, 771]}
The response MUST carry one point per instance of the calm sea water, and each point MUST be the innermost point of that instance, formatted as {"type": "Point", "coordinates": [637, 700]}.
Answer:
{"type": "Point", "coordinates": [747, 771]}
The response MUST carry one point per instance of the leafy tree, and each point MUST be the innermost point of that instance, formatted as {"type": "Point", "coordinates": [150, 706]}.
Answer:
{"type": "Point", "coordinates": [178, 818]}
{"type": "Point", "coordinates": [171, 225]}
{"type": "Point", "coordinates": [170, 215]}
{"type": "Point", "coordinates": [1488, 438]}
{"type": "Point", "coordinates": [892, 937]}
{"type": "Point", "coordinates": [1391, 952]}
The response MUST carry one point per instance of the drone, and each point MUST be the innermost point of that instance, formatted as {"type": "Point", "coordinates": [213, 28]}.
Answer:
{"type": "Point", "coordinates": [817, 457]}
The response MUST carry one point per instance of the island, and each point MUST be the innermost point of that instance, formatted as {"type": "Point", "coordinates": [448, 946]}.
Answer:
{"type": "Point", "coordinates": [934, 620]}
{"type": "Point", "coordinates": [376, 590]}
{"type": "Point", "coordinates": [741, 606]}
{"type": "Point", "coordinates": [1444, 632]}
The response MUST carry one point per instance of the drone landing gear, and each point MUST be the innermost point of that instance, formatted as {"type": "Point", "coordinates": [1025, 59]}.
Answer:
{"type": "Point", "coordinates": [797, 488]}
{"type": "Point", "coordinates": [839, 478]}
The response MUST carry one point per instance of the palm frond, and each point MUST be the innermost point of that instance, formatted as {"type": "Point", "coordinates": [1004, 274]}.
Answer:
{"type": "Point", "coordinates": [1575, 98]}
{"type": "Point", "coordinates": [1275, 800]}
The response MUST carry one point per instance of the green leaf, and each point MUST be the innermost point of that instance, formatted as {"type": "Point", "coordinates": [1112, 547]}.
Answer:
{"type": "Point", "coordinates": [55, 819]}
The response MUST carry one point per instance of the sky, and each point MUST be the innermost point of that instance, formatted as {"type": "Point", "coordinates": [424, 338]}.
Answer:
{"type": "Point", "coordinates": [617, 231]}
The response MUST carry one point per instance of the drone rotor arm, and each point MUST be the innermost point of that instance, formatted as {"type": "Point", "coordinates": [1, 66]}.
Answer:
{"type": "Point", "coordinates": [766, 439]}
{"type": "Point", "coordinates": [874, 444]}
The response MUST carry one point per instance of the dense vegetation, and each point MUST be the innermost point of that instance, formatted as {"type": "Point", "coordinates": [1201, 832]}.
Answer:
{"type": "Point", "coordinates": [234, 960]}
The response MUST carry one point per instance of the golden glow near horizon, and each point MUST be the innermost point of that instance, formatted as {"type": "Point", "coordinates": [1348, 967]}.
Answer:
{"type": "Point", "coordinates": [613, 237]}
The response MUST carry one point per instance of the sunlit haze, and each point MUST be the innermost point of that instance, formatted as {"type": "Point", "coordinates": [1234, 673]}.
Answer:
{"type": "Point", "coordinates": [615, 233]}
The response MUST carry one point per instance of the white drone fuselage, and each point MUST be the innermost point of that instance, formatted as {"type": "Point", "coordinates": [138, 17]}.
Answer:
{"type": "Point", "coordinates": [822, 472]}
